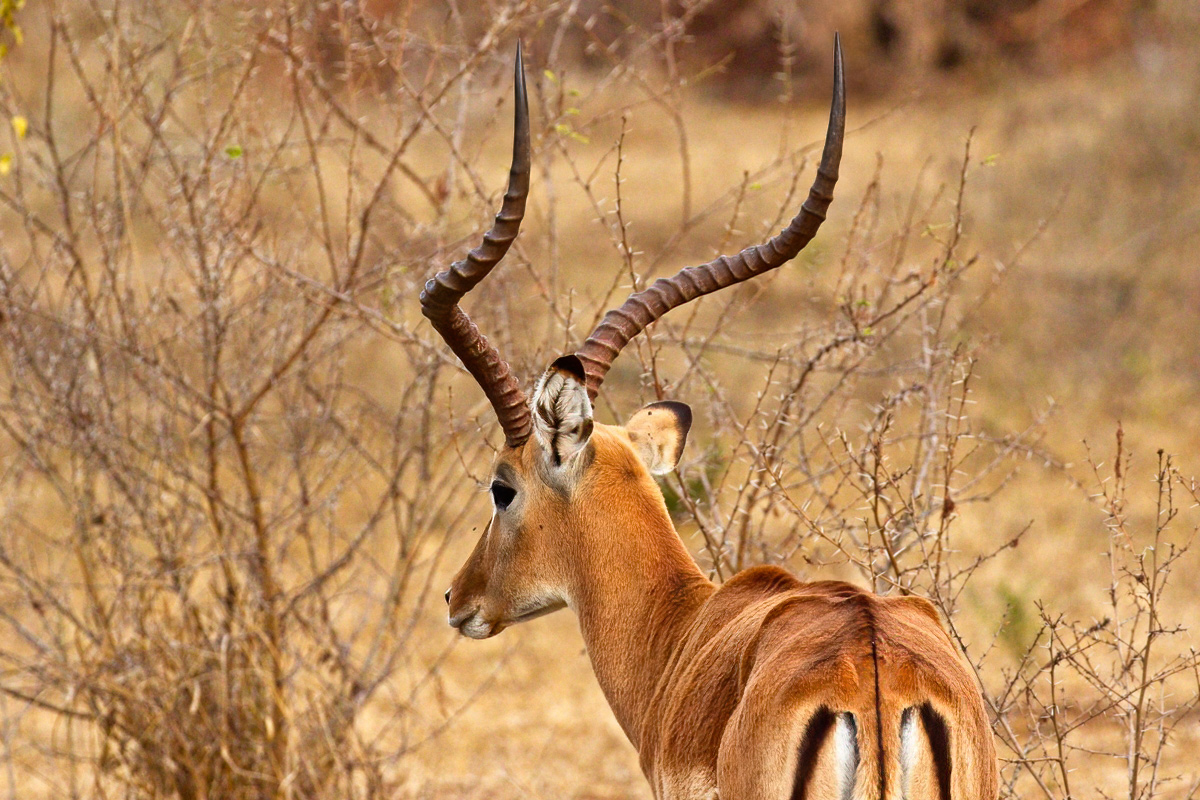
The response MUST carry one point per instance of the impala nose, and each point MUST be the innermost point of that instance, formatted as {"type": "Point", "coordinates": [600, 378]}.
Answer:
{"type": "Point", "coordinates": [447, 597]}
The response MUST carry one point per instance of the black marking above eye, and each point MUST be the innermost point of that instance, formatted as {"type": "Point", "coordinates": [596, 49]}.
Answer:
{"type": "Point", "coordinates": [502, 495]}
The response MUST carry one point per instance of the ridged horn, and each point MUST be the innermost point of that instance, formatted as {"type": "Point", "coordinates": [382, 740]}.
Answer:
{"type": "Point", "coordinates": [439, 300]}
{"type": "Point", "coordinates": [621, 324]}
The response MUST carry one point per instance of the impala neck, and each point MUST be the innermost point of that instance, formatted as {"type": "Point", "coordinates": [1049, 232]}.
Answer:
{"type": "Point", "coordinates": [635, 603]}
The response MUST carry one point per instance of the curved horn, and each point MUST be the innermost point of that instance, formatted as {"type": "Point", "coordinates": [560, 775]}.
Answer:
{"type": "Point", "coordinates": [439, 300]}
{"type": "Point", "coordinates": [622, 324]}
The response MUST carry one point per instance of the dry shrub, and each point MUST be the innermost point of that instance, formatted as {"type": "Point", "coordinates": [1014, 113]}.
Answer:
{"type": "Point", "coordinates": [1103, 704]}
{"type": "Point", "coordinates": [231, 452]}
{"type": "Point", "coordinates": [217, 537]}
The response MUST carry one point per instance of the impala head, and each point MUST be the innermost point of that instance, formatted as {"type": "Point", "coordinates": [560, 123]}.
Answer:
{"type": "Point", "coordinates": [545, 494]}
{"type": "Point", "coordinates": [560, 475]}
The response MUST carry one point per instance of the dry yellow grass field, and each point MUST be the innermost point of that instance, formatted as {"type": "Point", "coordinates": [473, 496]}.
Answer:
{"type": "Point", "coordinates": [230, 438]}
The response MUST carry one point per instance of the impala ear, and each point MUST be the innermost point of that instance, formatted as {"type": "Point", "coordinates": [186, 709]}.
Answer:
{"type": "Point", "coordinates": [658, 433]}
{"type": "Point", "coordinates": [562, 413]}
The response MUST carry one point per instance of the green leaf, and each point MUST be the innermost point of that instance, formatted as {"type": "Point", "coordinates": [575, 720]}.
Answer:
{"type": "Point", "coordinates": [563, 129]}
{"type": "Point", "coordinates": [234, 151]}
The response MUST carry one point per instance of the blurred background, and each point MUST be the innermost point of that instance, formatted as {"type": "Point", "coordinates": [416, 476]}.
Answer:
{"type": "Point", "coordinates": [238, 469]}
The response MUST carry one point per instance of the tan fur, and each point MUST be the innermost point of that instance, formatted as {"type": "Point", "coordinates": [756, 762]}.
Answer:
{"type": "Point", "coordinates": [715, 686]}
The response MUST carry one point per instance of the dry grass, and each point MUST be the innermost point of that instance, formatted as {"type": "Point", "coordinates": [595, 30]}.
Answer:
{"type": "Point", "coordinates": [232, 451]}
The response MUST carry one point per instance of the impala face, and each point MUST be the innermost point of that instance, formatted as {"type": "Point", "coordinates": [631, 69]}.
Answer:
{"type": "Point", "coordinates": [514, 573]}
{"type": "Point", "coordinates": [545, 494]}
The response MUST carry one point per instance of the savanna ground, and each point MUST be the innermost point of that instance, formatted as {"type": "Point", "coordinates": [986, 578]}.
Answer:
{"type": "Point", "coordinates": [239, 469]}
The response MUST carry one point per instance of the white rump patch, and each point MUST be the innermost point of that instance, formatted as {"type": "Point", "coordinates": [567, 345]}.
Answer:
{"type": "Point", "coordinates": [845, 749]}
{"type": "Point", "coordinates": [908, 749]}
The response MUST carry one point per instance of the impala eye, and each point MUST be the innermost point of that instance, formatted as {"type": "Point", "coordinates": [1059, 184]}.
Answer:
{"type": "Point", "coordinates": [502, 495]}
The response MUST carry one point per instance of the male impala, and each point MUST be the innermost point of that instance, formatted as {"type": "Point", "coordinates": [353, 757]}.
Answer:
{"type": "Point", "coordinates": [763, 687]}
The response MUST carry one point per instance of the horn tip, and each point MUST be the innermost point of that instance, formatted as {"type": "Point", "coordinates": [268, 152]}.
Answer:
{"type": "Point", "coordinates": [838, 109]}
{"type": "Point", "coordinates": [837, 59]}
{"type": "Point", "coordinates": [519, 92]}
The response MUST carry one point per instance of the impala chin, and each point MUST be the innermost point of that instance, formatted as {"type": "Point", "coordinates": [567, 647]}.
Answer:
{"type": "Point", "coordinates": [474, 626]}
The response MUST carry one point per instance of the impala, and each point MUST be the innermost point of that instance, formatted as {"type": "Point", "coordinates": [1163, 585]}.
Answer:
{"type": "Point", "coordinates": [762, 687]}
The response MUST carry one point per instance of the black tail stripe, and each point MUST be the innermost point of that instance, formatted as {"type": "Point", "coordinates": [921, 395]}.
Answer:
{"type": "Point", "coordinates": [819, 726]}
{"type": "Point", "coordinates": [939, 744]}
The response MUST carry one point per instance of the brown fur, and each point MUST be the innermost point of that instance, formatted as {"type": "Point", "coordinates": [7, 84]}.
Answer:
{"type": "Point", "coordinates": [715, 686]}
